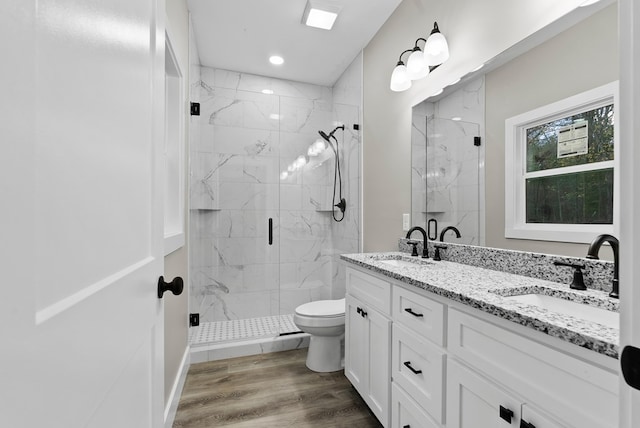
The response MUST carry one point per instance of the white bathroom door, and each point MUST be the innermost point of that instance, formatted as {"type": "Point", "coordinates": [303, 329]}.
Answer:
{"type": "Point", "coordinates": [81, 108]}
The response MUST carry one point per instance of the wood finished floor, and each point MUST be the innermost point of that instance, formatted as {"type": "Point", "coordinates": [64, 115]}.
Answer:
{"type": "Point", "coordinates": [269, 390]}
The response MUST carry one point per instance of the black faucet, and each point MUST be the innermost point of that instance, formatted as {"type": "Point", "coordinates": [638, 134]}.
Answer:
{"type": "Point", "coordinates": [425, 250]}
{"type": "Point", "coordinates": [592, 253]}
{"type": "Point", "coordinates": [447, 229]}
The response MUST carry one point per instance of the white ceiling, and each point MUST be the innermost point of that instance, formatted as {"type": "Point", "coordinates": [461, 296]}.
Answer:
{"type": "Point", "coordinates": [241, 35]}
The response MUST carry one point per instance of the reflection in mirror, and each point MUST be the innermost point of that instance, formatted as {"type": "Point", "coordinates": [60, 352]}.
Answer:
{"type": "Point", "coordinates": [552, 64]}
{"type": "Point", "coordinates": [447, 158]}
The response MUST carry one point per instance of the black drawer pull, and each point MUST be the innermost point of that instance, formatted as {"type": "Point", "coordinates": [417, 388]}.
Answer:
{"type": "Point", "coordinates": [525, 424]}
{"type": "Point", "coordinates": [407, 426]}
{"type": "Point", "coordinates": [413, 313]}
{"type": "Point", "coordinates": [408, 365]}
{"type": "Point", "coordinates": [506, 414]}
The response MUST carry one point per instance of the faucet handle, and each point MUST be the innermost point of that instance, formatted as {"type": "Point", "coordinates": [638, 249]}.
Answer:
{"type": "Point", "coordinates": [436, 255]}
{"type": "Point", "coordinates": [578, 278]}
{"type": "Point", "coordinates": [414, 251]}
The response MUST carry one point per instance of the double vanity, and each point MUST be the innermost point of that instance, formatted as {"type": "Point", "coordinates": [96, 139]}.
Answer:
{"type": "Point", "coordinates": [446, 344]}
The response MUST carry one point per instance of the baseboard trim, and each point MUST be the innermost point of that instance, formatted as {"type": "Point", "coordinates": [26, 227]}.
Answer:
{"type": "Point", "coordinates": [176, 391]}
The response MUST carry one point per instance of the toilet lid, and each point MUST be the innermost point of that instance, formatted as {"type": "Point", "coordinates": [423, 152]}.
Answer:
{"type": "Point", "coordinates": [322, 308]}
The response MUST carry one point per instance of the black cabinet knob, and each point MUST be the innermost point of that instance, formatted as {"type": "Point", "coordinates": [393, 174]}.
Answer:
{"type": "Point", "coordinates": [506, 414]}
{"type": "Point", "coordinates": [525, 424]}
{"type": "Point", "coordinates": [176, 286]}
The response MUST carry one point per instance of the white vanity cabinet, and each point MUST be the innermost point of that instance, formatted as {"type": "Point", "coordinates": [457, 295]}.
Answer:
{"type": "Point", "coordinates": [368, 340]}
{"type": "Point", "coordinates": [446, 364]}
{"type": "Point", "coordinates": [572, 391]}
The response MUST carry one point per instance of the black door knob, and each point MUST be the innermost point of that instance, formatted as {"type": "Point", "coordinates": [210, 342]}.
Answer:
{"type": "Point", "coordinates": [174, 286]}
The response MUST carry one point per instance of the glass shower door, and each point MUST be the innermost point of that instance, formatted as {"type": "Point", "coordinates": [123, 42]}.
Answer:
{"type": "Point", "coordinates": [453, 177]}
{"type": "Point", "coordinates": [235, 200]}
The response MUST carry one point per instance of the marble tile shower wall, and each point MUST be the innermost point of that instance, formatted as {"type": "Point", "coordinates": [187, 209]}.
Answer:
{"type": "Point", "coordinates": [247, 138]}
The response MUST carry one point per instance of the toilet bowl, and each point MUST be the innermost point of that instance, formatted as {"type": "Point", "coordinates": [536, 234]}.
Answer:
{"type": "Point", "coordinates": [324, 321]}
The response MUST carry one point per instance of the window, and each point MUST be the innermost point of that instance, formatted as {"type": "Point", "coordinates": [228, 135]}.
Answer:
{"type": "Point", "coordinates": [560, 179]}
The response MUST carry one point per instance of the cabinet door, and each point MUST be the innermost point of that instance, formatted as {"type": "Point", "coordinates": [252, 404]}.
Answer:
{"type": "Point", "coordinates": [473, 401]}
{"type": "Point", "coordinates": [356, 349]}
{"type": "Point", "coordinates": [532, 418]}
{"type": "Point", "coordinates": [379, 331]}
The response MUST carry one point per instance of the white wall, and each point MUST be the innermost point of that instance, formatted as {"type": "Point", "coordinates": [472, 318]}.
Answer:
{"type": "Point", "coordinates": [581, 58]}
{"type": "Point", "coordinates": [476, 32]}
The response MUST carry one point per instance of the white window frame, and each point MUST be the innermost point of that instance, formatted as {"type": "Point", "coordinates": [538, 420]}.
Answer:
{"type": "Point", "coordinates": [516, 226]}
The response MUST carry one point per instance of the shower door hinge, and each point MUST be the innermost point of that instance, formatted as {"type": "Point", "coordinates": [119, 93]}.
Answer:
{"type": "Point", "coordinates": [194, 320]}
{"type": "Point", "coordinates": [195, 109]}
{"type": "Point", "coordinates": [477, 141]}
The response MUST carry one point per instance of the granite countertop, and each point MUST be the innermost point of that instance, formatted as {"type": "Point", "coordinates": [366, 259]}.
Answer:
{"type": "Point", "coordinates": [488, 290]}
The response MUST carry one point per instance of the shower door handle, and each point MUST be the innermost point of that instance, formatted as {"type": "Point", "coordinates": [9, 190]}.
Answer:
{"type": "Point", "coordinates": [270, 231]}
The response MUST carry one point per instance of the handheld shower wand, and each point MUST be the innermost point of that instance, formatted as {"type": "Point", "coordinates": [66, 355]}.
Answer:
{"type": "Point", "coordinates": [337, 176]}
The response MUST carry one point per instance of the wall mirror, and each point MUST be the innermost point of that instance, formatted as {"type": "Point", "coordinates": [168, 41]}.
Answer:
{"type": "Point", "coordinates": [458, 138]}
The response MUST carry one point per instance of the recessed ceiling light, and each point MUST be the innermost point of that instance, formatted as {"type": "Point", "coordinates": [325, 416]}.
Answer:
{"type": "Point", "coordinates": [276, 60]}
{"type": "Point", "coordinates": [320, 15]}
{"type": "Point", "coordinates": [267, 91]}
{"type": "Point", "coordinates": [456, 118]}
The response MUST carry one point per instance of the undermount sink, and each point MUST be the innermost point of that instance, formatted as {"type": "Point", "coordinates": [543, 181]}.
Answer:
{"type": "Point", "coordinates": [575, 309]}
{"type": "Point", "coordinates": [405, 262]}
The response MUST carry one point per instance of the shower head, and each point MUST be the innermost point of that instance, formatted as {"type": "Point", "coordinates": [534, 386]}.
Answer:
{"type": "Point", "coordinates": [326, 137]}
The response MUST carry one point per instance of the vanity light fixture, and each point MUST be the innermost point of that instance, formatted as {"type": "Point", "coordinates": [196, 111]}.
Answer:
{"type": "Point", "coordinates": [320, 14]}
{"type": "Point", "coordinates": [420, 62]}
{"type": "Point", "coordinates": [417, 66]}
{"type": "Point", "coordinates": [400, 80]}
{"type": "Point", "coordinates": [436, 49]}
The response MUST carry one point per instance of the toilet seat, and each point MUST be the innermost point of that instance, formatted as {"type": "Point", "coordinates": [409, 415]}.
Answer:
{"type": "Point", "coordinates": [322, 309]}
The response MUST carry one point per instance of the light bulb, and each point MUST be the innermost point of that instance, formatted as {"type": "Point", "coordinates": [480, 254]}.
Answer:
{"type": "Point", "coordinates": [436, 49]}
{"type": "Point", "coordinates": [399, 79]}
{"type": "Point", "coordinates": [416, 65]}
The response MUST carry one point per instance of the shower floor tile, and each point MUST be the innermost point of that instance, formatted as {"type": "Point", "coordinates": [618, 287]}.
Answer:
{"type": "Point", "coordinates": [226, 331]}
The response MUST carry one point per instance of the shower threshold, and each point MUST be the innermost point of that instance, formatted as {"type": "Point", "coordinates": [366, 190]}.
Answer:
{"type": "Point", "coordinates": [219, 340]}
{"type": "Point", "coordinates": [209, 333]}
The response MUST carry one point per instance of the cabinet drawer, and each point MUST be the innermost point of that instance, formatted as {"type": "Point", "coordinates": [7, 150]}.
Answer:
{"type": "Point", "coordinates": [571, 390]}
{"type": "Point", "coordinates": [406, 413]}
{"type": "Point", "coordinates": [420, 314]}
{"type": "Point", "coordinates": [418, 367]}
{"type": "Point", "coordinates": [370, 290]}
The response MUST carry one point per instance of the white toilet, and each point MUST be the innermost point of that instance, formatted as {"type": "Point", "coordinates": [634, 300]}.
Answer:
{"type": "Point", "coordinates": [324, 321]}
